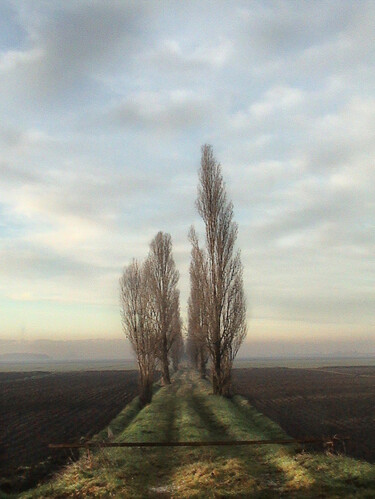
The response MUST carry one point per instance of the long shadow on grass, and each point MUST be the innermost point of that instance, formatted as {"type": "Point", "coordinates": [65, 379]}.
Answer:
{"type": "Point", "coordinates": [185, 411]}
{"type": "Point", "coordinates": [141, 471]}
{"type": "Point", "coordinates": [251, 466]}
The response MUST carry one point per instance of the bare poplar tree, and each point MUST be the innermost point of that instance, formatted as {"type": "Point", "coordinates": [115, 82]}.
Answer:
{"type": "Point", "coordinates": [197, 316]}
{"type": "Point", "coordinates": [225, 301]}
{"type": "Point", "coordinates": [137, 321]}
{"type": "Point", "coordinates": [162, 278]}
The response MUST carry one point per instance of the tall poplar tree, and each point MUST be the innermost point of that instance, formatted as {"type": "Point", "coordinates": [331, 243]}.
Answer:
{"type": "Point", "coordinates": [224, 304]}
{"type": "Point", "coordinates": [162, 279]}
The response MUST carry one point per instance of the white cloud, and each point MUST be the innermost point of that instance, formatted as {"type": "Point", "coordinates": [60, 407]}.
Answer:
{"type": "Point", "coordinates": [12, 60]}
{"type": "Point", "coordinates": [277, 99]}
{"type": "Point", "coordinates": [170, 55]}
{"type": "Point", "coordinates": [175, 110]}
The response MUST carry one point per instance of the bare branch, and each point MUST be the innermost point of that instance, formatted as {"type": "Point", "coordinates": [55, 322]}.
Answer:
{"type": "Point", "coordinates": [137, 321]}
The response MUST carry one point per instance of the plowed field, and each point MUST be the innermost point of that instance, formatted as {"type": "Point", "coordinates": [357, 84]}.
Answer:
{"type": "Point", "coordinates": [316, 402]}
{"type": "Point", "coordinates": [40, 408]}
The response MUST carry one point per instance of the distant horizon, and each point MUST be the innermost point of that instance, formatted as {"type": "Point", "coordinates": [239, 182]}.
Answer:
{"type": "Point", "coordinates": [119, 349]}
{"type": "Point", "coordinates": [118, 359]}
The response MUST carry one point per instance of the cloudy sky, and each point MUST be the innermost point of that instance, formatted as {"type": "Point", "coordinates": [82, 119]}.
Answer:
{"type": "Point", "coordinates": [104, 106]}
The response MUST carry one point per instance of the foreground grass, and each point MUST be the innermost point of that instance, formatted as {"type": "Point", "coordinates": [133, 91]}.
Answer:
{"type": "Point", "coordinates": [186, 411]}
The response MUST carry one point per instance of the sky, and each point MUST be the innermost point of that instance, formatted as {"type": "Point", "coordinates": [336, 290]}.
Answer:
{"type": "Point", "coordinates": [104, 106]}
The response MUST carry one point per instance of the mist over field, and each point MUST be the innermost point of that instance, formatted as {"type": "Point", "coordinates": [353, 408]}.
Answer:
{"type": "Point", "coordinates": [98, 349]}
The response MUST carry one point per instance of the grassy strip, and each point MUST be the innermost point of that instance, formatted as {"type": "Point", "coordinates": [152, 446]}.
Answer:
{"type": "Point", "coordinates": [99, 473]}
{"type": "Point", "coordinates": [186, 411]}
{"type": "Point", "coordinates": [228, 471]}
{"type": "Point", "coordinates": [281, 469]}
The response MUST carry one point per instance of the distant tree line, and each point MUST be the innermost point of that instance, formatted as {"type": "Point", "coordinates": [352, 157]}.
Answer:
{"type": "Point", "coordinates": [216, 308]}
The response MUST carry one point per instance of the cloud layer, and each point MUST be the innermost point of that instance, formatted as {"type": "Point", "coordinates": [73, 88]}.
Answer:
{"type": "Point", "coordinates": [104, 107]}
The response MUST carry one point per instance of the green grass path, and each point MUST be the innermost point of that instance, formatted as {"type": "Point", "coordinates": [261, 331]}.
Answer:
{"type": "Point", "coordinates": [186, 410]}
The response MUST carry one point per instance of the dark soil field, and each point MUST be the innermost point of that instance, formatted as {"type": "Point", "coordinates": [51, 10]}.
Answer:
{"type": "Point", "coordinates": [316, 402]}
{"type": "Point", "coordinates": [38, 408]}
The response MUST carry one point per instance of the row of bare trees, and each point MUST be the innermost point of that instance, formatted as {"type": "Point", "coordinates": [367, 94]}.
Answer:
{"type": "Point", "coordinates": [217, 309]}
{"type": "Point", "coordinates": [150, 311]}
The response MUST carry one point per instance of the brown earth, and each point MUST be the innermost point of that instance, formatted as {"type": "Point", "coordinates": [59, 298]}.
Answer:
{"type": "Point", "coordinates": [39, 408]}
{"type": "Point", "coordinates": [316, 402]}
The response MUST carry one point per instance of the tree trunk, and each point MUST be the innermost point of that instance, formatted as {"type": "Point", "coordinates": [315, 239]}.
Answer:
{"type": "Point", "coordinates": [175, 365]}
{"type": "Point", "coordinates": [166, 379]}
{"type": "Point", "coordinates": [226, 389]}
{"type": "Point", "coordinates": [202, 365]}
{"type": "Point", "coordinates": [216, 376]}
{"type": "Point", "coordinates": [145, 392]}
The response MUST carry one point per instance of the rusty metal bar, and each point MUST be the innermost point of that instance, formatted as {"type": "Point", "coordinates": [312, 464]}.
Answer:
{"type": "Point", "coordinates": [89, 445]}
